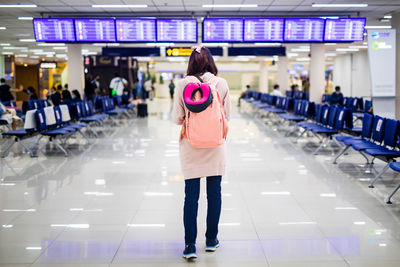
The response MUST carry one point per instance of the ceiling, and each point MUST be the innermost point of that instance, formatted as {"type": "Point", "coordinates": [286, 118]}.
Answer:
{"type": "Point", "coordinates": [22, 29]}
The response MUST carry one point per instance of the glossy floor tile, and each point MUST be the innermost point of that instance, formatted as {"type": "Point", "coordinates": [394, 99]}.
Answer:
{"type": "Point", "coordinates": [119, 202]}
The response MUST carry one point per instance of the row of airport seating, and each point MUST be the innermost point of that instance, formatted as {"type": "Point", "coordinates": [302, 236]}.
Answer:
{"type": "Point", "coordinates": [378, 137]}
{"type": "Point", "coordinates": [60, 123]}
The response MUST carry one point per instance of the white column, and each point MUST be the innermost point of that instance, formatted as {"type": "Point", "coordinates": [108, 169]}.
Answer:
{"type": "Point", "coordinates": [283, 75]}
{"type": "Point", "coordinates": [2, 67]}
{"type": "Point", "coordinates": [263, 82]}
{"type": "Point", "coordinates": [76, 76]}
{"type": "Point", "coordinates": [317, 72]}
{"type": "Point", "coordinates": [396, 25]}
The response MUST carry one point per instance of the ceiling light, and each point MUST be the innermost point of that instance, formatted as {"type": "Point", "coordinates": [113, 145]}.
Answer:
{"type": "Point", "coordinates": [21, 55]}
{"type": "Point", "coordinates": [4, 44]}
{"type": "Point", "coordinates": [289, 55]}
{"type": "Point", "coordinates": [59, 47]}
{"type": "Point", "coordinates": [339, 5]}
{"type": "Point", "coordinates": [330, 17]}
{"type": "Point", "coordinates": [2, 28]}
{"type": "Point", "coordinates": [7, 53]}
{"type": "Point", "coordinates": [303, 59]}
{"type": "Point", "coordinates": [359, 46]}
{"type": "Point", "coordinates": [231, 6]}
{"type": "Point", "coordinates": [27, 40]}
{"type": "Point", "coordinates": [330, 44]}
{"type": "Point", "coordinates": [119, 6]}
{"type": "Point", "coordinates": [105, 44]}
{"type": "Point", "coordinates": [330, 54]}
{"type": "Point", "coordinates": [378, 27]}
{"type": "Point", "coordinates": [347, 49]}
{"type": "Point", "coordinates": [387, 16]}
{"type": "Point", "coordinates": [384, 20]}
{"type": "Point", "coordinates": [19, 5]}
{"type": "Point", "coordinates": [15, 47]}
{"type": "Point", "coordinates": [25, 18]}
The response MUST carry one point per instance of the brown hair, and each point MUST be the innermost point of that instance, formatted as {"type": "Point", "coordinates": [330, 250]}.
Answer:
{"type": "Point", "coordinates": [200, 63]}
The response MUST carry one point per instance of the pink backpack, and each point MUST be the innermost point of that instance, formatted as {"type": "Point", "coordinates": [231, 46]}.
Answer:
{"type": "Point", "coordinates": [205, 124]}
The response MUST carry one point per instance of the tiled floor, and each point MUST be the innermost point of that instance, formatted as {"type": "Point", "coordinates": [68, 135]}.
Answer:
{"type": "Point", "coordinates": [118, 202]}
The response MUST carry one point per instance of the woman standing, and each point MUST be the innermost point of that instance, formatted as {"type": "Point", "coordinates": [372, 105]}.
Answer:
{"type": "Point", "coordinates": [201, 162]}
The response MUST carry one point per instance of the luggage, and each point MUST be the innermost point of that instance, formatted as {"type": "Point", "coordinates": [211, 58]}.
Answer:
{"type": "Point", "coordinates": [142, 110]}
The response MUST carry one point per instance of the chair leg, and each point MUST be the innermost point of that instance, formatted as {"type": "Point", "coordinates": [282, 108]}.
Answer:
{"type": "Point", "coordinates": [323, 143]}
{"type": "Point", "coordinates": [57, 144]}
{"type": "Point", "coordinates": [84, 135]}
{"type": "Point", "coordinates": [389, 199]}
{"type": "Point", "coordinates": [362, 154]}
{"type": "Point", "coordinates": [340, 154]}
{"type": "Point", "coordinates": [27, 148]}
{"type": "Point", "coordinates": [7, 150]}
{"type": "Point", "coordinates": [380, 174]}
{"type": "Point", "coordinates": [301, 135]}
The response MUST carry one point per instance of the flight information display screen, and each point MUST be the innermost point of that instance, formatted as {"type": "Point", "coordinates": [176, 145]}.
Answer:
{"type": "Point", "coordinates": [304, 30]}
{"type": "Point", "coordinates": [95, 30]}
{"type": "Point", "coordinates": [177, 30]}
{"type": "Point", "coordinates": [136, 30]}
{"type": "Point", "coordinates": [348, 29]}
{"type": "Point", "coordinates": [223, 30]}
{"type": "Point", "coordinates": [263, 30]}
{"type": "Point", "coordinates": [54, 30]}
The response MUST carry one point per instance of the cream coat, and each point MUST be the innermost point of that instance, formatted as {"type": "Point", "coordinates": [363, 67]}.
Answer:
{"type": "Point", "coordinates": [201, 162]}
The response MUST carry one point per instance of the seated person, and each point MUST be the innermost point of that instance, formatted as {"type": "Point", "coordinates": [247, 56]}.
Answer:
{"type": "Point", "coordinates": [10, 115]}
{"type": "Point", "coordinates": [66, 97]}
{"type": "Point", "coordinates": [244, 94]}
{"type": "Point", "coordinates": [76, 96]}
{"type": "Point", "coordinates": [276, 91]}
{"type": "Point", "coordinates": [126, 97]}
{"type": "Point", "coordinates": [336, 97]}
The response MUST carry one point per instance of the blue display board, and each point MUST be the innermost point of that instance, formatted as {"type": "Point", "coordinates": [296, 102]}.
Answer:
{"type": "Point", "coordinates": [263, 29]}
{"type": "Point", "coordinates": [223, 30]}
{"type": "Point", "coordinates": [136, 30]}
{"type": "Point", "coordinates": [54, 30]}
{"type": "Point", "coordinates": [177, 30]}
{"type": "Point", "coordinates": [304, 30]}
{"type": "Point", "coordinates": [344, 30]}
{"type": "Point", "coordinates": [95, 30]}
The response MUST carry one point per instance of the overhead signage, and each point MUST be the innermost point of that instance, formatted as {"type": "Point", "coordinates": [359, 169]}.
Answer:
{"type": "Point", "coordinates": [54, 30]}
{"type": "Point", "coordinates": [178, 51]}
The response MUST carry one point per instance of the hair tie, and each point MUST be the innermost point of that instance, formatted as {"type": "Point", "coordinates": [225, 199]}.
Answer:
{"type": "Point", "coordinates": [197, 49]}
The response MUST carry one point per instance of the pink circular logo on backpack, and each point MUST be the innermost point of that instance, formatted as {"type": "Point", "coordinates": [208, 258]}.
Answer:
{"type": "Point", "coordinates": [197, 97]}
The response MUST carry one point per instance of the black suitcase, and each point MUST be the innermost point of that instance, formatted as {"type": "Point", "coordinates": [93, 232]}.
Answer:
{"type": "Point", "coordinates": [142, 110]}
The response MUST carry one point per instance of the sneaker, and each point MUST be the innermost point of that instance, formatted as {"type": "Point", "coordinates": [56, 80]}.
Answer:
{"type": "Point", "coordinates": [190, 252]}
{"type": "Point", "coordinates": [212, 245]}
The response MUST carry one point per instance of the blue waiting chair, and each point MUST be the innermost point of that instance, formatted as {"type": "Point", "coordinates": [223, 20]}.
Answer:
{"type": "Point", "coordinates": [396, 167]}
{"type": "Point", "coordinates": [388, 151]}
{"type": "Point", "coordinates": [365, 135]}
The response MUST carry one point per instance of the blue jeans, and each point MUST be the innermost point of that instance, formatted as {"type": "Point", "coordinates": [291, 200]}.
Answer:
{"type": "Point", "coordinates": [192, 192]}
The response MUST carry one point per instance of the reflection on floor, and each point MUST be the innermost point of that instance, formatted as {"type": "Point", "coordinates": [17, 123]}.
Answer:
{"type": "Point", "coordinates": [118, 202]}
